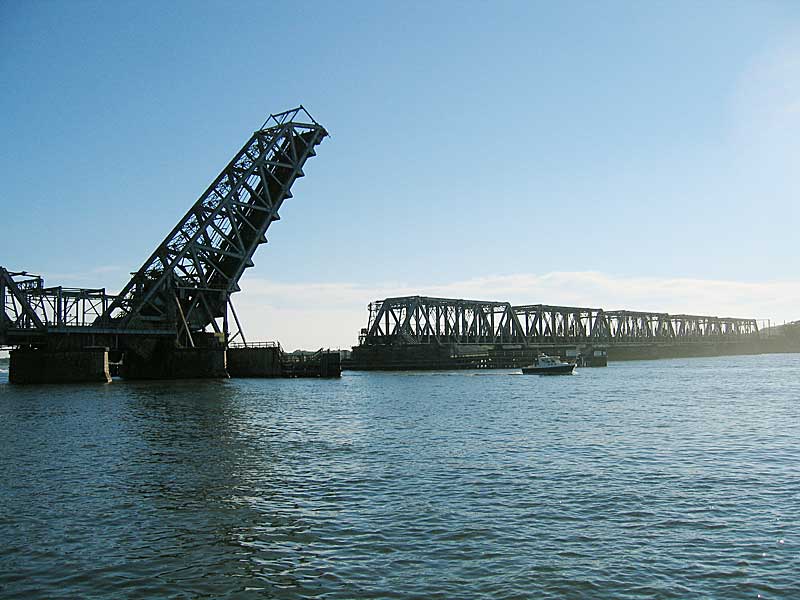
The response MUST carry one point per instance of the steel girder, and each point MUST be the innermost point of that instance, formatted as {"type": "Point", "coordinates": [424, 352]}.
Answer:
{"type": "Point", "coordinates": [642, 326]}
{"type": "Point", "coordinates": [544, 323]}
{"type": "Point", "coordinates": [30, 307]}
{"type": "Point", "coordinates": [187, 281]}
{"type": "Point", "coordinates": [420, 320]}
{"type": "Point", "coordinates": [69, 307]}
{"type": "Point", "coordinates": [17, 310]}
{"type": "Point", "coordinates": [423, 320]}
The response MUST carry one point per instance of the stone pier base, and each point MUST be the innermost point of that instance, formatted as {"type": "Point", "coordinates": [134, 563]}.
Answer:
{"type": "Point", "coordinates": [175, 363]}
{"type": "Point", "coordinates": [75, 366]}
{"type": "Point", "coordinates": [254, 362]}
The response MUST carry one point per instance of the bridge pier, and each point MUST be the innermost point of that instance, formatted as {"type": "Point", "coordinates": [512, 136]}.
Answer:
{"type": "Point", "coordinates": [254, 362]}
{"type": "Point", "coordinates": [270, 361]}
{"type": "Point", "coordinates": [175, 363]}
{"type": "Point", "coordinates": [89, 365]}
{"type": "Point", "coordinates": [325, 364]}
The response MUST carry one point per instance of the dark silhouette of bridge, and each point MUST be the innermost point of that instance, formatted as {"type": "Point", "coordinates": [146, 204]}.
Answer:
{"type": "Point", "coordinates": [423, 332]}
{"type": "Point", "coordinates": [175, 317]}
{"type": "Point", "coordinates": [419, 319]}
{"type": "Point", "coordinates": [172, 318]}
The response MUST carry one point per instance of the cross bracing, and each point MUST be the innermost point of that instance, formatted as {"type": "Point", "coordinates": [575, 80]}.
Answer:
{"type": "Point", "coordinates": [30, 307]}
{"type": "Point", "coordinates": [542, 322]}
{"type": "Point", "coordinates": [629, 325]}
{"type": "Point", "coordinates": [419, 319]}
{"type": "Point", "coordinates": [187, 281]}
{"type": "Point", "coordinates": [423, 320]}
{"type": "Point", "coordinates": [17, 310]}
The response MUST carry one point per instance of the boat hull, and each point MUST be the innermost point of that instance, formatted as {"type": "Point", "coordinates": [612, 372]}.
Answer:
{"type": "Point", "coordinates": [557, 370]}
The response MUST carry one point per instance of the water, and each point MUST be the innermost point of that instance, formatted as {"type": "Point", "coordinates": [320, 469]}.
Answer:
{"type": "Point", "coordinates": [667, 479]}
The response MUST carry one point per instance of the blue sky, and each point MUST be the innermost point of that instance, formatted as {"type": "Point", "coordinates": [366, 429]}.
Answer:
{"type": "Point", "coordinates": [488, 148]}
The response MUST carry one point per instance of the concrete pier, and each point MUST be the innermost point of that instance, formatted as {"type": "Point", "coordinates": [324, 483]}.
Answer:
{"type": "Point", "coordinates": [175, 363]}
{"type": "Point", "coordinates": [271, 361]}
{"type": "Point", "coordinates": [325, 363]}
{"type": "Point", "coordinates": [89, 365]}
{"type": "Point", "coordinates": [330, 364]}
{"type": "Point", "coordinates": [401, 357]}
{"type": "Point", "coordinates": [254, 362]}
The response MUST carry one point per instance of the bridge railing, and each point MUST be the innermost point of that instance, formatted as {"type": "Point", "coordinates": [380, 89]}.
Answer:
{"type": "Point", "coordinates": [256, 345]}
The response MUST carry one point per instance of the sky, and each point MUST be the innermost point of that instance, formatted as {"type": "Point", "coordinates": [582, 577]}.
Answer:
{"type": "Point", "coordinates": [638, 155]}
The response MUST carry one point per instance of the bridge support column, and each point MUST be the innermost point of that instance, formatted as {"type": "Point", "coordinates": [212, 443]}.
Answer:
{"type": "Point", "coordinates": [254, 362]}
{"type": "Point", "coordinates": [74, 366]}
{"type": "Point", "coordinates": [175, 363]}
{"type": "Point", "coordinates": [330, 364]}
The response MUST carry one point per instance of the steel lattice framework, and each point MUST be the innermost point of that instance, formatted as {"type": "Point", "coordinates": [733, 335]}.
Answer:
{"type": "Point", "coordinates": [418, 320]}
{"type": "Point", "coordinates": [18, 312]}
{"type": "Point", "coordinates": [187, 281]}
{"type": "Point", "coordinates": [30, 308]}
{"type": "Point", "coordinates": [624, 325]}
{"type": "Point", "coordinates": [544, 323]}
{"type": "Point", "coordinates": [185, 285]}
{"type": "Point", "coordinates": [423, 320]}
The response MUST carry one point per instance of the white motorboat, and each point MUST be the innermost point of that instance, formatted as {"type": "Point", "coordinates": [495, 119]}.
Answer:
{"type": "Point", "coordinates": [547, 365]}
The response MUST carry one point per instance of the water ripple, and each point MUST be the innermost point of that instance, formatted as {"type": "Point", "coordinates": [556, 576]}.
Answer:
{"type": "Point", "coordinates": [667, 479]}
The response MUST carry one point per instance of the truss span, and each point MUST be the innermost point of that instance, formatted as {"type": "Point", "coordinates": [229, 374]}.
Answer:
{"type": "Point", "coordinates": [32, 311]}
{"type": "Point", "coordinates": [423, 320]}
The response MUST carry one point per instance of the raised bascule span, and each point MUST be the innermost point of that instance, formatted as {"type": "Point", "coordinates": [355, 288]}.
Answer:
{"type": "Point", "coordinates": [186, 283]}
{"type": "Point", "coordinates": [171, 318]}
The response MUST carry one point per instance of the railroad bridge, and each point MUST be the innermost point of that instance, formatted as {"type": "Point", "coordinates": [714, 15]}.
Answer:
{"type": "Point", "coordinates": [422, 332]}
{"type": "Point", "coordinates": [171, 319]}
{"type": "Point", "coordinates": [175, 317]}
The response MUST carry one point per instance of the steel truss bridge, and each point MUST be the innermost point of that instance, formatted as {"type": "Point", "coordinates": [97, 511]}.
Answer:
{"type": "Point", "coordinates": [184, 287]}
{"type": "Point", "coordinates": [416, 320]}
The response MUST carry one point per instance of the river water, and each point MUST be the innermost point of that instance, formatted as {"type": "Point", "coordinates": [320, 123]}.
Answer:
{"type": "Point", "coordinates": [664, 479]}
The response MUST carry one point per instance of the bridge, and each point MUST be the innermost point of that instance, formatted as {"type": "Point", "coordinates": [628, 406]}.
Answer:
{"type": "Point", "coordinates": [424, 332]}
{"type": "Point", "coordinates": [172, 318]}
{"type": "Point", "coordinates": [175, 318]}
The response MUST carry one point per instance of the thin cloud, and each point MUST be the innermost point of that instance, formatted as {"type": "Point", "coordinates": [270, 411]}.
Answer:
{"type": "Point", "coordinates": [90, 278]}
{"type": "Point", "coordinates": [310, 315]}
